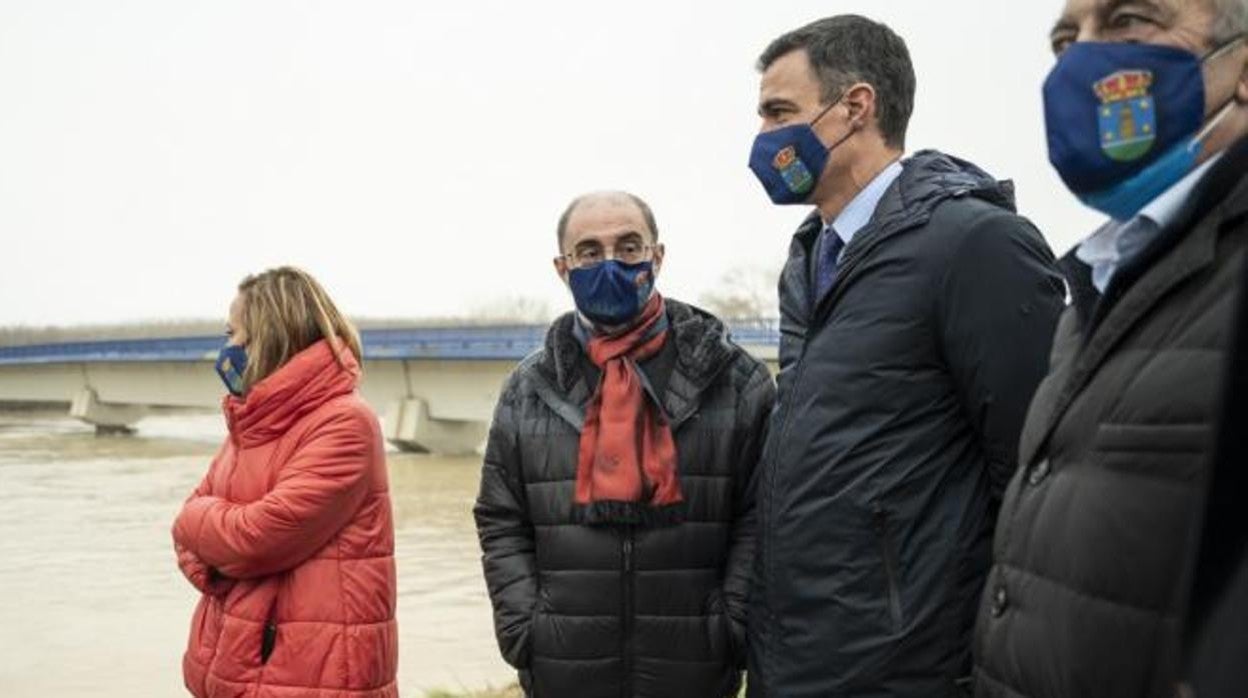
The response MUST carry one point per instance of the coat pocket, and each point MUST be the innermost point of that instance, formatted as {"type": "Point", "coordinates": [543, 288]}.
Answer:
{"type": "Point", "coordinates": [888, 559]}
{"type": "Point", "coordinates": [724, 645]}
{"type": "Point", "coordinates": [268, 641]}
{"type": "Point", "coordinates": [537, 637]}
{"type": "Point", "coordinates": [1170, 451]}
{"type": "Point", "coordinates": [718, 627]}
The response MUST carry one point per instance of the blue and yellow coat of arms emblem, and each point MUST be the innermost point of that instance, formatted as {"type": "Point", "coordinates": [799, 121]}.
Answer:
{"type": "Point", "coordinates": [231, 374]}
{"type": "Point", "coordinates": [1128, 121]}
{"type": "Point", "coordinates": [796, 175]}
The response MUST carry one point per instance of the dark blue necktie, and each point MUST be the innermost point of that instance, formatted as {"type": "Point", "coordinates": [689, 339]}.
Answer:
{"type": "Point", "coordinates": [830, 246]}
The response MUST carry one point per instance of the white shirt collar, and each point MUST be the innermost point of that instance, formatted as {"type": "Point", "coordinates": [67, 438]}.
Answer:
{"type": "Point", "coordinates": [858, 212]}
{"type": "Point", "coordinates": [1105, 249]}
{"type": "Point", "coordinates": [1165, 208]}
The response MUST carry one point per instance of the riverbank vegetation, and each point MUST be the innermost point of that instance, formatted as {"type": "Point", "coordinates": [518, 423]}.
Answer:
{"type": "Point", "coordinates": [509, 692]}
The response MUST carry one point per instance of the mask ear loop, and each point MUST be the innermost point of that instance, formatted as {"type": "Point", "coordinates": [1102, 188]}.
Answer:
{"type": "Point", "coordinates": [1218, 50]}
{"type": "Point", "coordinates": [853, 126]}
{"type": "Point", "coordinates": [1241, 37]}
{"type": "Point", "coordinates": [1213, 123]}
{"type": "Point", "coordinates": [828, 108]}
{"type": "Point", "coordinates": [1226, 108]}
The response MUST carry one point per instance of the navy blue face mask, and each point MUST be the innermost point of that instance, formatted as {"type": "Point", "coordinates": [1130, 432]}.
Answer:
{"type": "Point", "coordinates": [1124, 121]}
{"type": "Point", "coordinates": [231, 363]}
{"type": "Point", "coordinates": [611, 293]}
{"type": "Point", "coordinates": [788, 161]}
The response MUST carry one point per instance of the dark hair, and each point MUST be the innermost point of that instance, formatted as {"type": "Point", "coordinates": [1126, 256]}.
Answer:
{"type": "Point", "coordinates": [646, 213]}
{"type": "Point", "coordinates": [847, 49]}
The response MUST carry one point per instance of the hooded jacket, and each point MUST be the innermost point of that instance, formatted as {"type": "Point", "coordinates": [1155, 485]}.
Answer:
{"type": "Point", "coordinates": [901, 396]}
{"type": "Point", "coordinates": [291, 540]}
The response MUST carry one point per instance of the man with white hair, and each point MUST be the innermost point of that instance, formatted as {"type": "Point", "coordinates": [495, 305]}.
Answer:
{"type": "Point", "coordinates": [1147, 121]}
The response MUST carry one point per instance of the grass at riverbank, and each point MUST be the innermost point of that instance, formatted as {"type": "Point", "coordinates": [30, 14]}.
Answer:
{"type": "Point", "coordinates": [512, 691]}
{"type": "Point", "coordinates": [509, 692]}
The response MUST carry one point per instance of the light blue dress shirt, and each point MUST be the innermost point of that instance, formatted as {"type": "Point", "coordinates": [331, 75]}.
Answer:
{"type": "Point", "coordinates": [1115, 243]}
{"type": "Point", "coordinates": [858, 212]}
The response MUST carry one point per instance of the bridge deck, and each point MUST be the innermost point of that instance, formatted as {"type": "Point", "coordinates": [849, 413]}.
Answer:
{"type": "Point", "coordinates": [454, 343]}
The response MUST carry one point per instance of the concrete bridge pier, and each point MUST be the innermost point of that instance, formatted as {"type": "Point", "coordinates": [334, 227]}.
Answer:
{"type": "Point", "coordinates": [107, 418]}
{"type": "Point", "coordinates": [408, 426]}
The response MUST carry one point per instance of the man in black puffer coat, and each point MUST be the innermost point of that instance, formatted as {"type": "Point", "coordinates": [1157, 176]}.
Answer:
{"type": "Point", "coordinates": [640, 597]}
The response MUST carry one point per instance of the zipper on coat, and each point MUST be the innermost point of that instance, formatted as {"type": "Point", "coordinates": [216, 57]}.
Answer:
{"type": "Point", "coordinates": [626, 612]}
{"type": "Point", "coordinates": [766, 511]}
{"type": "Point", "coordinates": [767, 522]}
{"type": "Point", "coordinates": [888, 554]}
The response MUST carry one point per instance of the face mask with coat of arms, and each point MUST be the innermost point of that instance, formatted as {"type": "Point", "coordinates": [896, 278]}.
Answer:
{"type": "Point", "coordinates": [789, 160]}
{"type": "Point", "coordinates": [1124, 121]}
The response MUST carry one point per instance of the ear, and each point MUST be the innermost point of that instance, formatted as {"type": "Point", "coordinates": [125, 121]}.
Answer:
{"type": "Point", "coordinates": [561, 268]}
{"type": "Point", "coordinates": [859, 99]}
{"type": "Point", "coordinates": [657, 262]}
{"type": "Point", "coordinates": [1241, 87]}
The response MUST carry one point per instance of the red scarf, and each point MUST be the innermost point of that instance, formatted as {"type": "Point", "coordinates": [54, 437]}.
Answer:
{"type": "Point", "coordinates": [627, 451]}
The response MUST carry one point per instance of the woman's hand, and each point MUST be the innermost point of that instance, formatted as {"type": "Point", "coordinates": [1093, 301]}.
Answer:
{"type": "Point", "coordinates": [200, 575]}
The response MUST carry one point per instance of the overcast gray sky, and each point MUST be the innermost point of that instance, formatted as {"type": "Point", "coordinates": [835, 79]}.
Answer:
{"type": "Point", "coordinates": [415, 155]}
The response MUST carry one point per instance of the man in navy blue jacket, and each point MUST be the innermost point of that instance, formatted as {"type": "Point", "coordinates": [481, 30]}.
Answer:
{"type": "Point", "coordinates": [917, 310]}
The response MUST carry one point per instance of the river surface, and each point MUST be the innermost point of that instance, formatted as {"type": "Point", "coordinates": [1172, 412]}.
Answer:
{"type": "Point", "coordinates": [91, 600]}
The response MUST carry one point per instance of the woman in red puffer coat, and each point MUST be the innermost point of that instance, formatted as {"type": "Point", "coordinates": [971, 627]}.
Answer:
{"type": "Point", "coordinates": [290, 535]}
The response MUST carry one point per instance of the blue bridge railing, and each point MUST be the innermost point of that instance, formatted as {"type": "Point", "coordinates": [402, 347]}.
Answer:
{"type": "Point", "coordinates": [453, 343]}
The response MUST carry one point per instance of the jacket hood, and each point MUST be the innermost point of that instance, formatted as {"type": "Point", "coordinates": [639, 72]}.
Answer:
{"type": "Point", "coordinates": [273, 405]}
{"type": "Point", "coordinates": [931, 176]}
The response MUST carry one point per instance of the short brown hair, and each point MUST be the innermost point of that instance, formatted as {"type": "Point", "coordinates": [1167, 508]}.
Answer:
{"type": "Point", "coordinates": [646, 213]}
{"type": "Point", "coordinates": [847, 49]}
{"type": "Point", "coordinates": [284, 311]}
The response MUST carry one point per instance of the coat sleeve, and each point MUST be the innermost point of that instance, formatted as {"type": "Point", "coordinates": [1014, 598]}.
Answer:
{"type": "Point", "coordinates": [997, 309]}
{"type": "Point", "coordinates": [317, 492]}
{"type": "Point", "coordinates": [200, 575]}
{"type": "Point", "coordinates": [756, 403]}
{"type": "Point", "coordinates": [506, 533]}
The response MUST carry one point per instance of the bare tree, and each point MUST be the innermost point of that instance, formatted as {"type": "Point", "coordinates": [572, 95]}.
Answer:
{"type": "Point", "coordinates": [744, 293]}
{"type": "Point", "coordinates": [508, 311]}
{"type": "Point", "coordinates": [512, 310]}
{"type": "Point", "coordinates": [20, 335]}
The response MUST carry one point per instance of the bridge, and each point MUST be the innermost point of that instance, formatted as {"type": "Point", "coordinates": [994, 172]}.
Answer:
{"type": "Point", "coordinates": [435, 388]}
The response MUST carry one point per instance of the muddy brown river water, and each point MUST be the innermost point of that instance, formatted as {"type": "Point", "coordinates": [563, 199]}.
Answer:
{"type": "Point", "coordinates": [92, 603]}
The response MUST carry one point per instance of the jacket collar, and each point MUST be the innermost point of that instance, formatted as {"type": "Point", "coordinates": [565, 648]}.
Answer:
{"type": "Point", "coordinates": [1083, 293]}
{"type": "Point", "coordinates": [1183, 250]}
{"type": "Point", "coordinates": [1213, 198]}
{"type": "Point", "coordinates": [928, 179]}
{"type": "Point", "coordinates": [299, 387]}
{"type": "Point", "coordinates": [702, 352]}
